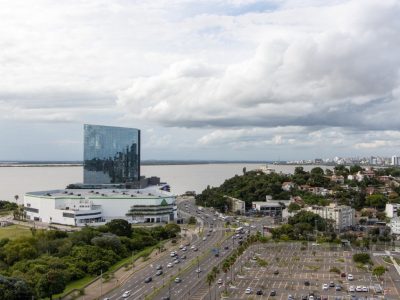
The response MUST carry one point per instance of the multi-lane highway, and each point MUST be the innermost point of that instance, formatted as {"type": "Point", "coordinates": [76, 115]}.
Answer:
{"type": "Point", "coordinates": [212, 235]}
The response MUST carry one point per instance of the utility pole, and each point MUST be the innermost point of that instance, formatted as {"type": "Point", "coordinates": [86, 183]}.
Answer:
{"type": "Point", "coordinates": [198, 267]}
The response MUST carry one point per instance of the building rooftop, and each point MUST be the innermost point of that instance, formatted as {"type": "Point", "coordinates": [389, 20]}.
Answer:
{"type": "Point", "coordinates": [149, 192]}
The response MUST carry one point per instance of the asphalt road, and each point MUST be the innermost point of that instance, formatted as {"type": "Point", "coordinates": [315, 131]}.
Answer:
{"type": "Point", "coordinates": [136, 284]}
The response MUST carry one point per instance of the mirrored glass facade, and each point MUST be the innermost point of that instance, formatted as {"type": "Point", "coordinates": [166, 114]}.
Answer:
{"type": "Point", "coordinates": [111, 154]}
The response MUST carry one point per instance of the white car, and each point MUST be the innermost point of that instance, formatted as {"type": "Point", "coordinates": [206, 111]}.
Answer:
{"type": "Point", "coordinates": [198, 270]}
{"type": "Point", "coordinates": [352, 288]}
{"type": "Point", "coordinates": [126, 294]}
{"type": "Point", "coordinates": [204, 238]}
{"type": "Point", "coordinates": [184, 249]}
{"type": "Point", "coordinates": [325, 286]}
{"type": "Point", "coordinates": [350, 277]}
{"type": "Point", "coordinates": [170, 265]}
{"type": "Point", "coordinates": [365, 289]}
{"type": "Point", "coordinates": [192, 247]}
{"type": "Point", "coordinates": [220, 281]}
{"type": "Point", "coordinates": [311, 297]}
{"type": "Point", "coordinates": [172, 254]}
{"type": "Point", "coordinates": [359, 288]}
{"type": "Point", "coordinates": [248, 291]}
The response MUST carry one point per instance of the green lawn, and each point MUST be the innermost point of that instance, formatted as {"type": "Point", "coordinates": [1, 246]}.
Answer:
{"type": "Point", "coordinates": [14, 231]}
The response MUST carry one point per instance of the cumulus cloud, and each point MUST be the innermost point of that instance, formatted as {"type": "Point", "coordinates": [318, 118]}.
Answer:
{"type": "Point", "coordinates": [334, 65]}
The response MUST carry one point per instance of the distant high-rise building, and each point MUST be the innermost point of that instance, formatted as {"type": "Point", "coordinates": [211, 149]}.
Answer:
{"type": "Point", "coordinates": [395, 160]}
{"type": "Point", "coordinates": [111, 154]}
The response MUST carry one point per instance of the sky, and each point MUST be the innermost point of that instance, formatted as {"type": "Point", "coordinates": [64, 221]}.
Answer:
{"type": "Point", "coordinates": [202, 79]}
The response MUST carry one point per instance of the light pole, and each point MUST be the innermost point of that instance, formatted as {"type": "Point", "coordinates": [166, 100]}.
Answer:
{"type": "Point", "coordinates": [198, 267]}
{"type": "Point", "coordinates": [101, 282]}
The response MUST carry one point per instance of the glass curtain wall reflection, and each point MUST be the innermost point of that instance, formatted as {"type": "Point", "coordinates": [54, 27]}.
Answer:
{"type": "Point", "coordinates": [111, 154]}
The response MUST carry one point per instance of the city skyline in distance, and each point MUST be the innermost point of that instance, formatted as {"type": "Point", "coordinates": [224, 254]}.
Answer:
{"type": "Point", "coordinates": [267, 80]}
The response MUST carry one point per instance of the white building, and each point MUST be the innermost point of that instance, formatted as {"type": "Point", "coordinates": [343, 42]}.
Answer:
{"type": "Point", "coordinates": [395, 160]}
{"type": "Point", "coordinates": [342, 215]}
{"type": "Point", "coordinates": [392, 209]}
{"type": "Point", "coordinates": [395, 225]}
{"type": "Point", "coordinates": [78, 207]}
{"type": "Point", "coordinates": [237, 205]}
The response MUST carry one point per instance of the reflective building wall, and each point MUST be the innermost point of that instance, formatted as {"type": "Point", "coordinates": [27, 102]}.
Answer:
{"type": "Point", "coordinates": [111, 154]}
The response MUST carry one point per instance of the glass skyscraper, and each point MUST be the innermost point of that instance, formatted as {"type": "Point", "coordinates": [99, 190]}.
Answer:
{"type": "Point", "coordinates": [111, 154]}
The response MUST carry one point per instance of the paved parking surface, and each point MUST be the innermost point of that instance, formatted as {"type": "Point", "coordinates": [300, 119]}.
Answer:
{"type": "Point", "coordinates": [297, 264]}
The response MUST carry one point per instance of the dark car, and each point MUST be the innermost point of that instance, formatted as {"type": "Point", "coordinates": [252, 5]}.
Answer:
{"type": "Point", "coordinates": [165, 298]}
{"type": "Point", "coordinates": [343, 275]}
{"type": "Point", "coordinates": [304, 297]}
{"type": "Point", "coordinates": [273, 293]}
{"type": "Point", "coordinates": [331, 284]}
{"type": "Point", "coordinates": [148, 279]}
{"type": "Point", "coordinates": [276, 272]}
{"type": "Point", "coordinates": [306, 283]}
{"type": "Point", "coordinates": [226, 248]}
{"type": "Point", "coordinates": [159, 272]}
{"type": "Point", "coordinates": [183, 256]}
{"type": "Point", "coordinates": [159, 267]}
{"type": "Point", "coordinates": [259, 292]}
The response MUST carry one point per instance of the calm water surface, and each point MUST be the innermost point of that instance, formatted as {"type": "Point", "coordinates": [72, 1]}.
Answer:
{"type": "Point", "coordinates": [19, 180]}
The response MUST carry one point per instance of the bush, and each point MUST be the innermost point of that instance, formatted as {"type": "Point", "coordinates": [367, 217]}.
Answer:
{"type": "Point", "coordinates": [362, 258]}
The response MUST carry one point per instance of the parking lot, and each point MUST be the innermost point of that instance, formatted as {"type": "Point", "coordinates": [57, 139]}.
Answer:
{"type": "Point", "coordinates": [300, 270]}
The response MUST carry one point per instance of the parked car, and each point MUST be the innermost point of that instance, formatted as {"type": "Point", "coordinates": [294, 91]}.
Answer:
{"type": "Point", "coordinates": [273, 293]}
{"type": "Point", "coordinates": [352, 289]}
{"type": "Point", "coordinates": [325, 286]}
{"type": "Point", "coordinates": [350, 277]}
{"type": "Point", "coordinates": [306, 283]}
{"type": "Point", "coordinates": [343, 275]}
{"type": "Point", "coordinates": [159, 272]}
{"type": "Point", "coordinates": [365, 289]}
{"type": "Point", "coordinates": [148, 279]}
{"type": "Point", "coordinates": [338, 288]}
{"type": "Point", "coordinates": [178, 280]}
{"type": "Point", "coordinates": [170, 265]}
{"type": "Point", "coordinates": [220, 281]}
{"type": "Point", "coordinates": [159, 267]}
{"type": "Point", "coordinates": [359, 288]}
{"type": "Point", "coordinates": [248, 291]}
{"type": "Point", "coordinates": [276, 272]}
{"type": "Point", "coordinates": [331, 284]}
{"type": "Point", "coordinates": [259, 292]}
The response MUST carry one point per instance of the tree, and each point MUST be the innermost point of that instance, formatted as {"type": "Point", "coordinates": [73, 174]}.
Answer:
{"type": "Point", "coordinates": [14, 289]}
{"type": "Point", "coordinates": [379, 271]}
{"type": "Point", "coordinates": [210, 278]}
{"type": "Point", "coordinates": [355, 169]}
{"type": "Point", "coordinates": [172, 229]}
{"type": "Point", "coordinates": [51, 283]}
{"type": "Point", "coordinates": [376, 200]}
{"type": "Point", "coordinates": [293, 207]}
{"type": "Point", "coordinates": [362, 258]}
{"type": "Point", "coordinates": [120, 227]}
{"type": "Point", "coordinates": [192, 220]}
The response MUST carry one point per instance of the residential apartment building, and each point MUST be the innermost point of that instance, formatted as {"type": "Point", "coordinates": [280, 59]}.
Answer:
{"type": "Point", "coordinates": [395, 225]}
{"type": "Point", "coordinates": [237, 205]}
{"type": "Point", "coordinates": [342, 215]}
{"type": "Point", "coordinates": [392, 210]}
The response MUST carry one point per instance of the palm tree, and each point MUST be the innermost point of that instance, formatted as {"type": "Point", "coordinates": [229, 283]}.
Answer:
{"type": "Point", "coordinates": [210, 278]}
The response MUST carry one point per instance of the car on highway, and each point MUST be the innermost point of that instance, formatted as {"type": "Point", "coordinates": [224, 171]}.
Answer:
{"type": "Point", "coordinates": [248, 291]}
{"type": "Point", "coordinates": [126, 294]}
{"type": "Point", "coordinates": [195, 249]}
{"type": "Point", "coordinates": [172, 254]}
{"type": "Point", "coordinates": [159, 272]}
{"type": "Point", "coordinates": [325, 286]}
{"type": "Point", "coordinates": [177, 280]}
{"type": "Point", "coordinates": [176, 261]}
{"type": "Point", "coordinates": [220, 281]}
{"type": "Point", "coordinates": [276, 272]}
{"type": "Point", "coordinates": [148, 279]}
{"type": "Point", "coordinates": [192, 247]}
{"type": "Point", "coordinates": [272, 293]}
{"type": "Point", "coordinates": [181, 247]}
{"type": "Point", "coordinates": [159, 267]}
{"type": "Point", "coordinates": [183, 256]}
{"type": "Point", "coordinates": [198, 270]}
{"type": "Point", "coordinates": [170, 265]}
{"type": "Point", "coordinates": [184, 249]}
